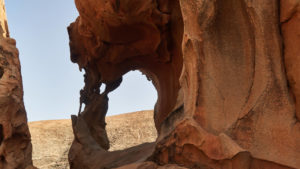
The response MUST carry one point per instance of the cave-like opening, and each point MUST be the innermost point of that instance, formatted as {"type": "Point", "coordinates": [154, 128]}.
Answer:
{"type": "Point", "coordinates": [136, 97]}
{"type": "Point", "coordinates": [134, 94]}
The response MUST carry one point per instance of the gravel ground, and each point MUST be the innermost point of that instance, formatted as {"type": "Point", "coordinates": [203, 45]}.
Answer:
{"type": "Point", "coordinates": [52, 139]}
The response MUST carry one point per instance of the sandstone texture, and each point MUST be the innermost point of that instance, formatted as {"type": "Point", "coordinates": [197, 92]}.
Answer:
{"type": "Point", "coordinates": [228, 86]}
{"type": "Point", "coordinates": [290, 28]}
{"type": "Point", "coordinates": [226, 72]}
{"type": "Point", "coordinates": [52, 139]}
{"type": "Point", "coordinates": [3, 21]}
{"type": "Point", "coordinates": [15, 146]}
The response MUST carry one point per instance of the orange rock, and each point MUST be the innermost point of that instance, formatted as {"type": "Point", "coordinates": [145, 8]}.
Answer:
{"type": "Point", "coordinates": [228, 88]}
{"type": "Point", "coordinates": [3, 21]}
{"type": "Point", "coordinates": [290, 28]}
{"type": "Point", "coordinates": [15, 145]}
{"type": "Point", "coordinates": [223, 98]}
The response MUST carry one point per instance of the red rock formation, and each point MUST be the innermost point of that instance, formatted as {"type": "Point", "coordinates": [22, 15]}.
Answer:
{"type": "Point", "coordinates": [15, 145]}
{"type": "Point", "coordinates": [134, 35]}
{"type": "Point", "coordinates": [226, 72]}
{"type": "Point", "coordinates": [217, 65]}
{"type": "Point", "coordinates": [290, 28]}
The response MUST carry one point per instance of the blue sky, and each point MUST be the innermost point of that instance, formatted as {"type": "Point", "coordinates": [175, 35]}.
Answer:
{"type": "Point", "coordinates": [51, 81]}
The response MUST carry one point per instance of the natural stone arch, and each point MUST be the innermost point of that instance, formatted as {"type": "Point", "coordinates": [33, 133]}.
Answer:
{"type": "Point", "coordinates": [149, 44]}
{"type": "Point", "coordinates": [220, 57]}
{"type": "Point", "coordinates": [220, 54]}
{"type": "Point", "coordinates": [148, 52]}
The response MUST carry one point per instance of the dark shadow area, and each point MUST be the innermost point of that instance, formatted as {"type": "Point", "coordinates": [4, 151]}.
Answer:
{"type": "Point", "coordinates": [1, 72]}
{"type": "Point", "coordinates": [1, 134]}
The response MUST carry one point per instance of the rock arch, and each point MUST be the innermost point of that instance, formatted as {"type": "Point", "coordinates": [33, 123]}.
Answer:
{"type": "Point", "coordinates": [226, 73]}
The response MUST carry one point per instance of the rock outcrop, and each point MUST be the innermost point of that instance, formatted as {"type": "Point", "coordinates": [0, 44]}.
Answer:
{"type": "Point", "coordinates": [226, 72]}
{"type": "Point", "coordinates": [3, 21]}
{"type": "Point", "coordinates": [228, 89]}
{"type": "Point", "coordinates": [15, 146]}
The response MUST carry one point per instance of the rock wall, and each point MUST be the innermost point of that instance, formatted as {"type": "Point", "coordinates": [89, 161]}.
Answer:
{"type": "Point", "coordinates": [228, 86]}
{"type": "Point", "coordinates": [290, 28]}
{"type": "Point", "coordinates": [237, 107]}
{"type": "Point", "coordinates": [226, 73]}
{"type": "Point", "coordinates": [15, 145]}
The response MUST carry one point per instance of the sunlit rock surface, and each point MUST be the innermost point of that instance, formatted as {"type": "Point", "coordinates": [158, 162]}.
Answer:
{"type": "Point", "coordinates": [15, 146]}
{"type": "Point", "coordinates": [227, 85]}
{"type": "Point", "coordinates": [3, 21]}
{"type": "Point", "coordinates": [226, 73]}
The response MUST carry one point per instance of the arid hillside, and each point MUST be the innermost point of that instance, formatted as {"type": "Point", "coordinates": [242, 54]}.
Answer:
{"type": "Point", "coordinates": [52, 139]}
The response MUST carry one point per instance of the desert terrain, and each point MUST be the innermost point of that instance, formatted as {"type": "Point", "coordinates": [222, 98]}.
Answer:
{"type": "Point", "coordinates": [52, 139]}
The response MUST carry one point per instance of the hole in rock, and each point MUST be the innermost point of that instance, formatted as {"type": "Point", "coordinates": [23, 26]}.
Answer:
{"type": "Point", "coordinates": [102, 88]}
{"type": "Point", "coordinates": [1, 134]}
{"type": "Point", "coordinates": [135, 97]}
{"type": "Point", "coordinates": [1, 72]}
{"type": "Point", "coordinates": [2, 158]}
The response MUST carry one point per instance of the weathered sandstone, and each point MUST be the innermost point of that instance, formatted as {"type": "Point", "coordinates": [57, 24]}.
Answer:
{"type": "Point", "coordinates": [290, 28]}
{"type": "Point", "coordinates": [226, 72]}
{"type": "Point", "coordinates": [224, 97]}
{"type": "Point", "coordinates": [3, 21]}
{"type": "Point", "coordinates": [15, 146]}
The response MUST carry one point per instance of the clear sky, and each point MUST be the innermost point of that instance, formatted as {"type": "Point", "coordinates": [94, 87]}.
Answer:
{"type": "Point", "coordinates": [51, 81]}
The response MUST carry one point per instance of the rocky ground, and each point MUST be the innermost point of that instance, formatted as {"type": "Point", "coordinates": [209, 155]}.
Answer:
{"type": "Point", "coordinates": [51, 139]}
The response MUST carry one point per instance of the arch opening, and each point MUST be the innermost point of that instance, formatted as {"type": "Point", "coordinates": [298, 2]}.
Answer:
{"type": "Point", "coordinates": [130, 119]}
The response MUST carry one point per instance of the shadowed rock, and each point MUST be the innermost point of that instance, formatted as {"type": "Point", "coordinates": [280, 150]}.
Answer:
{"type": "Point", "coordinates": [15, 145]}
{"type": "Point", "coordinates": [223, 99]}
{"type": "Point", "coordinates": [228, 86]}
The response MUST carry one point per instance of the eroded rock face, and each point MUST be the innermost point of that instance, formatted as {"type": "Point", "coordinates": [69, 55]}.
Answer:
{"type": "Point", "coordinates": [3, 21]}
{"type": "Point", "coordinates": [237, 98]}
{"type": "Point", "coordinates": [223, 94]}
{"type": "Point", "coordinates": [290, 28]}
{"type": "Point", "coordinates": [130, 35]}
{"type": "Point", "coordinates": [15, 145]}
